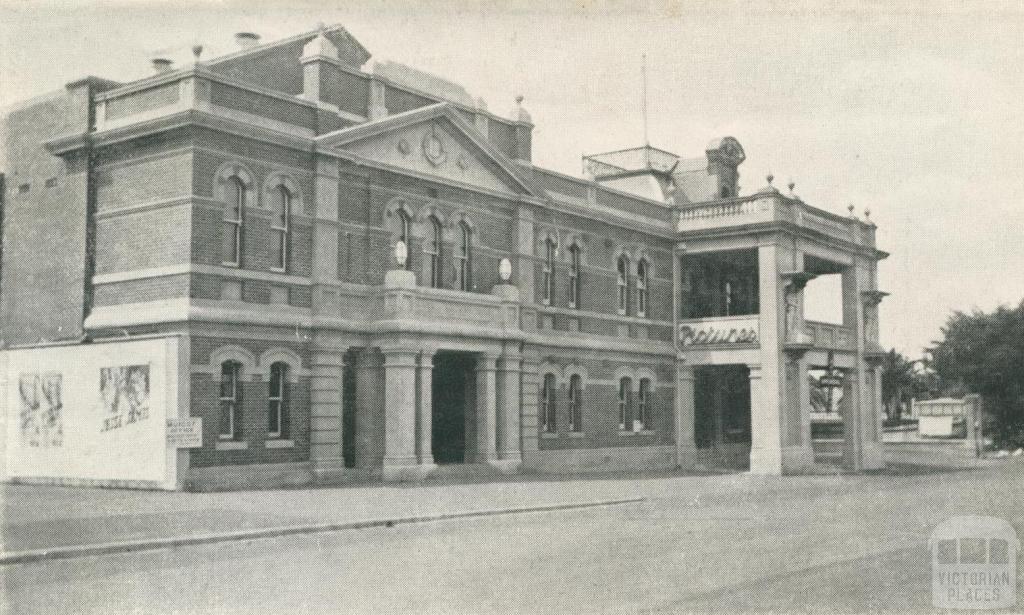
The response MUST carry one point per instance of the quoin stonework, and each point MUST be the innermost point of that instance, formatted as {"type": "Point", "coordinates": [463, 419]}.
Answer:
{"type": "Point", "coordinates": [343, 270]}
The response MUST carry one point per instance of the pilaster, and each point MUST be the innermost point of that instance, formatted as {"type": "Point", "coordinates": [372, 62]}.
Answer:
{"type": "Point", "coordinates": [486, 408]}
{"type": "Point", "coordinates": [325, 407]}
{"type": "Point", "coordinates": [686, 448]}
{"type": "Point", "coordinates": [369, 443]}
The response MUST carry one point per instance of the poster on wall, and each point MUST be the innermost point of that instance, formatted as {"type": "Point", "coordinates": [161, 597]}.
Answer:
{"type": "Point", "coordinates": [125, 394]}
{"type": "Point", "coordinates": [41, 411]}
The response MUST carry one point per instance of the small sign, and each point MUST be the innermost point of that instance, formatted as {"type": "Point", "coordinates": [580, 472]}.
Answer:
{"type": "Point", "coordinates": [185, 432]}
{"type": "Point", "coordinates": [831, 381]}
{"type": "Point", "coordinates": [715, 333]}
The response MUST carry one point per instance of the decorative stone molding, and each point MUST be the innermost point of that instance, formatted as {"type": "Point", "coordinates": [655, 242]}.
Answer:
{"type": "Point", "coordinates": [225, 173]}
{"type": "Point", "coordinates": [278, 179]}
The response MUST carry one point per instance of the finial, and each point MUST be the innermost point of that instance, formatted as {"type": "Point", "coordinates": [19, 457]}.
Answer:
{"type": "Point", "coordinates": [770, 178]}
{"type": "Point", "coordinates": [792, 184]}
{"type": "Point", "coordinates": [321, 26]}
{"type": "Point", "coordinates": [867, 213]}
{"type": "Point", "coordinates": [197, 50]}
{"type": "Point", "coordinates": [850, 209]}
{"type": "Point", "coordinates": [519, 99]}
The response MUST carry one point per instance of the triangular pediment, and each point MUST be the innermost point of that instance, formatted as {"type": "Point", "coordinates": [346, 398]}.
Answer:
{"type": "Point", "coordinates": [432, 141]}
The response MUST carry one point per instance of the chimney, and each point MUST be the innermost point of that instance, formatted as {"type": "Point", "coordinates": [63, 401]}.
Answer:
{"type": "Point", "coordinates": [161, 65]}
{"type": "Point", "coordinates": [246, 40]}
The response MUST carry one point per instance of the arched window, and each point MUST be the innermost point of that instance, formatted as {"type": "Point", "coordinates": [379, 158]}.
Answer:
{"type": "Point", "coordinates": [234, 210]}
{"type": "Point", "coordinates": [230, 400]}
{"type": "Point", "coordinates": [280, 226]}
{"type": "Point", "coordinates": [464, 257]}
{"type": "Point", "coordinates": [642, 292]}
{"type": "Point", "coordinates": [574, 276]}
{"type": "Point", "coordinates": [549, 271]}
{"type": "Point", "coordinates": [623, 282]}
{"type": "Point", "coordinates": [547, 400]}
{"type": "Point", "coordinates": [277, 410]}
{"type": "Point", "coordinates": [404, 234]}
{"type": "Point", "coordinates": [433, 250]}
{"type": "Point", "coordinates": [625, 404]}
{"type": "Point", "coordinates": [575, 403]}
{"type": "Point", "coordinates": [643, 407]}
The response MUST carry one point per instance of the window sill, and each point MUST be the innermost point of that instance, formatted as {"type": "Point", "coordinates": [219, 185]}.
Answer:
{"type": "Point", "coordinates": [277, 270]}
{"type": "Point", "coordinates": [231, 445]}
{"type": "Point", "coordinates": [232, 265]}
{"type": "Point", "coordinates": [548, 435]}
{"type": "Point", "coordinates": [642, 432]}
{"type": "Point", "coordinates": [279, 443]}
{"type": "Point", "coordinates": [576, 434]}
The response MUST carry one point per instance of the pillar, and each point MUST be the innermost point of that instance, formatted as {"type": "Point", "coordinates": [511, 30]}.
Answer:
{"type": "Point", "coordinates": [486, 409]}
{"type": "Point", "coordinates": [325, 429]}
{"type": "Point", "coordinates": [766, 378]}
{"type": "Point", "coordinates": [424, 409]}
{"type": "Point", "coordinates": [509, 378]}
{"type": "Point", "coordinates": [369, 407]}
{"type": "Point", "coordinates": [399, 413]}
{"type": "Point", "coordinates": [686, 448]}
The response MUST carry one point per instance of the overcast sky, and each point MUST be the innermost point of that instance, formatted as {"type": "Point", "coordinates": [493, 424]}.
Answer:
{"type": "Point", "coordinates": [910, 109]}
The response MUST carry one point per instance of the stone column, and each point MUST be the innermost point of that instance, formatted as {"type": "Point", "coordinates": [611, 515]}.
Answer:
{"type": "Point", "coordinates": [424, 409]}
{"type": "Point", "coordinates": [6, 412]}
{"type": "Point", "coordinates": [399, 413]}
{"type": "Point", "coordinates": [369, 409]}
{"type": "Point", "coordinates": [686, 448]}
{"type": "Point", "coordinates": [766, 441]}
{"type": "Point", "coordinates": [766, 379]}
{"type": "Point", "coordinates": [325, 422]}
{"type": "Point", "coordinates": [853, 426]}
{"type": "Point", "coordinates": [509, 379]}
{"type": "Point", "coordinates": [486, 409]}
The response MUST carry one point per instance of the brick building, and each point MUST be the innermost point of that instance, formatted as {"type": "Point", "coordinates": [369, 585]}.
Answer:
{"type": "Point", "coordinates": [365, 273]}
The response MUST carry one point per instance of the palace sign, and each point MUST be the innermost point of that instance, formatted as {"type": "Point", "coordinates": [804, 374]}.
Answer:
{"type": "Point", "coordinates": [719, 332]}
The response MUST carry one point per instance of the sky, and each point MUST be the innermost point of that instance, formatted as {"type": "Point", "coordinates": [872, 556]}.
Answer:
{"type": "Point", "coordinates": [910, 109]}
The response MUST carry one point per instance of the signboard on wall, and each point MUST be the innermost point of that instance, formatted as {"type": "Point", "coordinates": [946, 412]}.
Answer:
{"type": "Point", "coordinates": [719, 332]}
{"type": "Point", "coordinates": [185, 432]}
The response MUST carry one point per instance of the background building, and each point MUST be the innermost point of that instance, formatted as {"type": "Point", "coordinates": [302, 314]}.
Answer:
{"type": "Point", "coordinates": [246, 211]}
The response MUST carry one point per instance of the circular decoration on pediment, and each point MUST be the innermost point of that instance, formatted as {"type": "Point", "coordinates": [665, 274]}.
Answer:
{"type": "Point", "coordinates": [462, 163]}
{"type": "Point", "coordinates": [403, 147]}
{"type": "Point", "coordinates": [433, 149]}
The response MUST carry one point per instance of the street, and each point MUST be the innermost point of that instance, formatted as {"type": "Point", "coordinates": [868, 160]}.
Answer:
{"type": "Point", "coordinates": [736, 543]}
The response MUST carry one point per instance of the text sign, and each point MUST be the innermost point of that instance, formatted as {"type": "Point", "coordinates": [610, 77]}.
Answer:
{"type": "Point", "coordinates": [185, 432]}
{"type": "Point", "coordinates": [713, 333]}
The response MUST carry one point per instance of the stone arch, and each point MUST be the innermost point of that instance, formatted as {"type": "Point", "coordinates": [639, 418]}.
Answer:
{"type": "Point", "coordinates": [277, 179]}
{"type": "Point", "coordinates": [648, 373]}
{"type": "Point", "coordinates": [548, 367]}
{"type": "Point", "coordinates": [231, 352]}
{"type": "Point", "coordinates": [543, 236]}
{"type": "Point", "coordinates": [576, 370]}
{"type": "Point", "coordinates": [393, 207]}
{"type": "Point", "coordinates": [282, 355]}
{"type": "Point", "coordinates": [224, 174]}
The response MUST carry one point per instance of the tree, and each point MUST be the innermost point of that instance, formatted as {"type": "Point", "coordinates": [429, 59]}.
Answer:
{"type": "Point", "coordinates": [984, 353]}
{"type": "Point", "coordinates": [900, 382]}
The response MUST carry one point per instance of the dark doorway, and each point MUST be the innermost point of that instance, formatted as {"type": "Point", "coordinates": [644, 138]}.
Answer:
{"type": "Point", "coordinates": [450, 392]}
{"type": "Point", "coordinates": [722, 406]}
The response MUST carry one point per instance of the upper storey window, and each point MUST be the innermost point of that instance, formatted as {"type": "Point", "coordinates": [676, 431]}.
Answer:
{"type": "Point", "coordinates": [234, 212]}
{"type": "Point", "coordinates": [405, 233]}
{"type": "Point", "coordinates": [280, 228]}
{"type": "Point", "coordinates": [642, 287]}
{"type": "Point", "coordinates": [433, 250]}
{"type": "Point", "coordinates": [574, 276]}
{"type": "Point", "coordinates": [464, 257]}
{"type": "Point", "coordinates": [720, 284]}
{"type": "Point", "coordinates": [622, 266]}
{"type": "Point", "coordinates": [549, 271]}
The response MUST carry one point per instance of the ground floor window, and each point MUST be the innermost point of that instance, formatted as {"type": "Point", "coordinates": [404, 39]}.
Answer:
{"type": "Point", "coordinates": [230, 400]}
{"type": "Point", "coordinates": [575, 403]}
{"type": "Point", "coordinates": [626, 404]}
{"type": "Point", "coordinates": [643, 414]}
{"type": "Point", "coordinates": [548, 404]}
{"type": "Point", "coordinates": [277, 414]}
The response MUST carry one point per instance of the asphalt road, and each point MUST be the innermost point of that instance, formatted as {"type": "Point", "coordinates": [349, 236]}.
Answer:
{"type": "Point", "coordinates": [797, 544]}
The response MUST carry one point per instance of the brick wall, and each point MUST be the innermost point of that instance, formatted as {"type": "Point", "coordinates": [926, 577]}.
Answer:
{"type": "Point", "coordinates": [45, 221]}
{"type": "Point", "coordinates": [600, 403]}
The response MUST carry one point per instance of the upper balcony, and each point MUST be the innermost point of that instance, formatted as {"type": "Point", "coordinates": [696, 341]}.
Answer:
{"type": "Point", "coordinates": [769, 206]}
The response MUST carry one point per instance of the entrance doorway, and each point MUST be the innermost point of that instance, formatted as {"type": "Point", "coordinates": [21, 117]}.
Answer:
{"type": "Point", "coordinates": [451, 401]}
{"type": "Point", "coordinates": [722, 426]}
